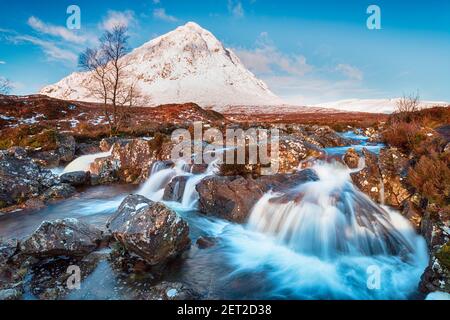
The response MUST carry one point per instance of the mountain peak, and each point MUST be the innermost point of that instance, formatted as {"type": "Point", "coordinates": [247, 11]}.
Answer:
{"type": "Point", "coordinates": [188, 64]}
{"type": "Point", "coordinates": [192, 25]}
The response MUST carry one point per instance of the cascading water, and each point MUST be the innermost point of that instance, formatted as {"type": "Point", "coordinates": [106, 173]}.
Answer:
{"type": "Point", "coordinates": [190, 195]}
{"type": "Point", "coordinates": [319, 239]}
{"type": "Point", "coordinates": [159, 178]}
{"type": "Point", "coordinates": [83, 163]}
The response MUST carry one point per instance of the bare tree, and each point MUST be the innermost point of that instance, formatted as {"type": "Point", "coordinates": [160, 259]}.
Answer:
{"type": "Point", "coordinates": [5, 86]}
{"type": "Point", "coordinates": [406, 108]}
{"type": "Point", "coordinates": [108, 80]}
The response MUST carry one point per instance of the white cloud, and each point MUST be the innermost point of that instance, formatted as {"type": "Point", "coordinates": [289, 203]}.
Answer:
{"type": "Point", "coordinates": [161, 14]}
{"type": "Point", "coordinates": [51, 50]}
{"type": "Point", "coordinates": [267, 59]}
{"type": "Point", "coordinates": [115, 18]}
{"type": "Point", "coordinates": [53, 30]}
{"type": "Point", "coordinates": [349, 71]}
{"type": "Point", "coordinates": [2, 62]}
{"type": "Point", "coordinates": [236, 9]}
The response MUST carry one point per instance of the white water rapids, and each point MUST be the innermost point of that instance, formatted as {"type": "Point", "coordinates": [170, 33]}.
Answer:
{"type": "Point", "coordinates": [318, 240]}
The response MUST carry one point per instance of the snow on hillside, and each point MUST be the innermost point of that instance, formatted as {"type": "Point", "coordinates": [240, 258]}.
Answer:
{"type": "Point", "coordinates": [186, 65]}
{"type": "Point", "coordinates": [373, 105]}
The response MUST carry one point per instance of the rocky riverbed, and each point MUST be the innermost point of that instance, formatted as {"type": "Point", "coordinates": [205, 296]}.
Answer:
{"type": "Point", "coordinates": [138, 226]}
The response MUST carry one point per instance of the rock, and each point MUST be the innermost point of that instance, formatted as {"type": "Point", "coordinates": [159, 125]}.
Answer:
{"type": "Point", "coordinates": [232, 198]}
{"type": "Point", "coordinates": [368, 180]}
{"type": "Point", "coordinates": [57, 192]}
{"type": "Point", "coordinates": [393, 168]}
{"type": "Point", "coordinates": [107, 143]}
{"type": "Point", "coordinates": [76, 179]}
{"type": "Point", "coordinates": [65, 147]}
{"type": "Point", "coordinates": [83, 149]}
{"type": "Point", "coordinates": [169, 291]}
{"type": "Point", "coordinates": [326, 137]}
{"type": "Point", "coordinates": [175, 189]}
{"type": "Point", "coordinates": [21, 178]}
{"type": "Point", "coordinates": [435, 230]}
{"type": "Point", "coordinates": [129, 162]}
{"type": "Point", "coordinates": [149, 229]}
{"type": "Point", "coordinates": [7, 250]}
{"type": "Point", "coordinates": [67, 237]}
{"type": "Point", "coordinates": [105, 171]}
{"type": "Point", "coordinates": [49, 278]}
{"type": "Point", "coordinates": [351, 158]}
{"type": "Point", "coordinates": [46, 159]}
{"type": "Point", "coordinates": [10, 294]}
{"type": "Point", "coordinates": [412, 213]}
{"type": "Point", "coordinates": [292, 151]}
{"type": "Point", "coordinates": [206, 242]}
{"type": "Point", "coordinates": [383, 178]}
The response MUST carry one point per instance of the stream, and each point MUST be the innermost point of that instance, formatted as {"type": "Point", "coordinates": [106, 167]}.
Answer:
{"type": "Point", "coordinates": [323, 242]}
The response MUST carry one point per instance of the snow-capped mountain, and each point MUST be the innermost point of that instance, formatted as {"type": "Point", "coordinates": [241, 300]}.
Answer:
{"type": "Point", "coordinates": [373, 105]}
{"type": "Point", "coordinates": [186, 65]}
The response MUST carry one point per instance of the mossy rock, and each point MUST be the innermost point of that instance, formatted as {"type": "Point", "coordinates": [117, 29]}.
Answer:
{"type": "Point", "coordinates": [443, 255]}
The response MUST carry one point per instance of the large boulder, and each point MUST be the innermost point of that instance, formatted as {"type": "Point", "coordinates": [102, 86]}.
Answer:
{"type": "Point", "coordinates": [131, 160]}
{"type": "Point", "coordinates": [232, 198]}
{"type": "Point", "coordinates": [21, 178]}
{"type": "Point", "coordinates": [149, 230]}
{"type": "Point", "coordinates": [67, 237]}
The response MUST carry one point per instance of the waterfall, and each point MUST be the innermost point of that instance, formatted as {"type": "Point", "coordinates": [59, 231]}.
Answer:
{"type": "Point", "coordinates": [323, 239]}
{"type": "Point", "coordinates": [83, 163]}
{"type": "Point", "coordinates": [160, 177]}
{"type": "Point", "coordinates": [190, 195]}
{"type": "Point", "coordinates": [328, 218]}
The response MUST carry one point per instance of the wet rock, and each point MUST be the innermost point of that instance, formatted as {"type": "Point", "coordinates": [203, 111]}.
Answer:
{"type": "Point", "coordinates": [351, 158]}
{"type": "Point", "coordinates": [326, 137]}
{"type": "Point", "coordinates": [83, 149]}
{"type": "Point", "coordinates": [58, 192]}
{"type": "Point", "coordinates": [46, 159]}
{"type": "Point", "coordinates": [232, 198]}
{"type": "Point", "coordinates": [51, 278]}
{"type": "Point", "coordinates": [292, 152]}
{"type": "Point", "coordinates": [175, 189]}
{"type": "Point", "coordinates": [368, 180]}
{"type": "Point", "coordinates": [66, 146]}
{"type": "Point", "coordinates": [67, 237]}
{"type": "Point", "coordinates": [435, 229]}
{"type": "Point", "coordinates": [104, 171]}
{"type": "Point", "coordinates": [149, 229]}
{"type": "Point", "coordinates": [412, 213]}
{"type": "Point", "coordinates": [393, 168]}
{"type": "Point", "coordinates": [10, 294]}
{"type": "Point", "coordinates": [169, 291]}
{"type": "Point", "coordinates": [76, 179]}
{"type": "Point", "coordinates": [21, 178]}
{"type": "Point", "coordinates": [107, 143]}
{"type": "Point", "coordinates": [206, 242]}
{"type": "Point", "coordinates": [129, 162]}
{"type": "Point", "coordinates": [384, 177]}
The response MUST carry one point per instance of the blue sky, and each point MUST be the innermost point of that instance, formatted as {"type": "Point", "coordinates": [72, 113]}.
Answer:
{"type": "Point", "coordinates": [307, 51]}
